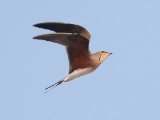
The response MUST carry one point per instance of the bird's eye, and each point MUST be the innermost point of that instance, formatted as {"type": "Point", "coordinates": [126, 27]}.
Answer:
{"type": "Point", "coordinates": [102, 51]}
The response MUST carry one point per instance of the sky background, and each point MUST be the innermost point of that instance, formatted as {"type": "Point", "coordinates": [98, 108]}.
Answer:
{"type": "Point", "coordinates": [125, 87]}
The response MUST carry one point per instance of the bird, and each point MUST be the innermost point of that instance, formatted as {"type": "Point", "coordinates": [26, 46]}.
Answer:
{"type": "Point", "coordinates": [75, 39]}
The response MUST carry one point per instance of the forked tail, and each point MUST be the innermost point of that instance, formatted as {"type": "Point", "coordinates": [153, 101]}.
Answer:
{"type": "Point", "coordinates": [55, 84]}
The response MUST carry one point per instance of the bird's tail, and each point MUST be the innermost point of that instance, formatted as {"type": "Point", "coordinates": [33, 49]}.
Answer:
{"type": "Point", "coordinates": [54, 85]}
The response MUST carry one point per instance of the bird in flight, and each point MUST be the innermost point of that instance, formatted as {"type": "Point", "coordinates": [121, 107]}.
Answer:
{"type": "Point", "coordinates": [76, 40]}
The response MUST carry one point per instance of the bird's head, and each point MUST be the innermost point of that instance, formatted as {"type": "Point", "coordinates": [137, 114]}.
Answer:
{"type": "Point", "coordinates": [101, 56]}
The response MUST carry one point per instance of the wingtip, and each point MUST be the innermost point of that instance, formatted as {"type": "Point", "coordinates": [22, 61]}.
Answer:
{"type": "Point", "coordinates": [36, 25]}
{"type": "Point", "coordinates": [40, 25]}
{"type": "Point", "coordinates": [46, 24]}
{"type": "Point", "coordinates": [36, 37]}
{"type": "Point", "coordinates": [41, 37]}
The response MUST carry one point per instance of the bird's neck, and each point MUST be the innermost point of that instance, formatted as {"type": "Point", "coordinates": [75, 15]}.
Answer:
{"type": "Point", "coordinates": [95, 62]}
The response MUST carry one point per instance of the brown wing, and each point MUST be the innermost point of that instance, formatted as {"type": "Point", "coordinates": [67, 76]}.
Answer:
{"type": "Point", "coordinates": [77, 47]}
{"type": "Point", "coordinates": [65, 28]}
{"type": "Point", "coordinates": [78, 54]}
{"type": "Point", "coordinates": [66, 39]}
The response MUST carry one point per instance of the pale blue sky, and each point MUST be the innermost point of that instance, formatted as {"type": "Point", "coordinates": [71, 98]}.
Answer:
{"type": "Point", "coordinates": [125, 87]}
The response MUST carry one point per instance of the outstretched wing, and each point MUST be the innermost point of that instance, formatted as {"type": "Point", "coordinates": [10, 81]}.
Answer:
{"type": "Point", "coordinates": [65, 28]}
{"type": "Point", "coordinates": [66, 39]}
{"type": "Point", "coordinates": [77, 44]}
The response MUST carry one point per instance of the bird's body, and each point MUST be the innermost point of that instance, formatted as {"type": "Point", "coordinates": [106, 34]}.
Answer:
{"type": "Point", "coordinates": [76, 40]}
{"type": "Point", "coordinates": [77, 73]}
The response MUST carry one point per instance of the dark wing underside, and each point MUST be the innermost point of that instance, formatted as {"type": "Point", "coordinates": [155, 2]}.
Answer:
{"type": "Point", "coordinates": [65, 28]}
{"type": "Point", "coordinates": [69, 35]}
{"type": "Point", "coordinates": [65, 39]}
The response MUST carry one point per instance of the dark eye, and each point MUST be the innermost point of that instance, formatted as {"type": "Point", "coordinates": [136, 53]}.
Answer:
{"type": "Point", "coordinates": [102, 51]}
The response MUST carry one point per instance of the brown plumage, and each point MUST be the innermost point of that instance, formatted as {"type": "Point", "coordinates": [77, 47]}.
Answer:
{"type": "Point", "coordinates": [76, 40]}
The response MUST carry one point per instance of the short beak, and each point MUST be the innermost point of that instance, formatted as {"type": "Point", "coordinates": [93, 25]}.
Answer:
{"type": "Point", "coordinates": [110, 53]}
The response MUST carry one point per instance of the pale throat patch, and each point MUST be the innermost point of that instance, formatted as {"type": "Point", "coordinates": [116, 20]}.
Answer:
{"type": "Point", "coordinates": [77, 73]}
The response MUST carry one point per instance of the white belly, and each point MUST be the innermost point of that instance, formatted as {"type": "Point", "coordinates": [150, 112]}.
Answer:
{"type": "Point", "coordinates": [78, 73]}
